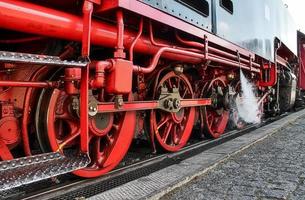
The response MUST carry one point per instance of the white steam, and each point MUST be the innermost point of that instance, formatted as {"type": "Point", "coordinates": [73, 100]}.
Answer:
{"type": "Point", "coordinates": [247, 104]}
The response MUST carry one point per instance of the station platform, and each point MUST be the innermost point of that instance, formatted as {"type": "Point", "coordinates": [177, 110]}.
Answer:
{"type": "Point", "coordinates": [267, 163]}
{"type": "Point", "coordinates": [271, 169]}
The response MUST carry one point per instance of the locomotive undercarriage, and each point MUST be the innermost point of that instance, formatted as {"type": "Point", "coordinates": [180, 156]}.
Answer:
{"type": "Point", "coordinates": [95, 95]}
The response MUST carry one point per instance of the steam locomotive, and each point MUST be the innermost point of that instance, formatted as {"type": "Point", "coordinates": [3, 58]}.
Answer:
{"type": "Point", "coordinates": [81, 79]}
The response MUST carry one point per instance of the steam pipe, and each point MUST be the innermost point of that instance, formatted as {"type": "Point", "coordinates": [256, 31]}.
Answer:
{"type": "Point", "coordinates": [151, 37]}
{"type": "Point", "coordinates": [119, 53]}
{"type": "Point", "coordinates": [156, 58]}
{"type": "Point", "coordinates": [189, 43]}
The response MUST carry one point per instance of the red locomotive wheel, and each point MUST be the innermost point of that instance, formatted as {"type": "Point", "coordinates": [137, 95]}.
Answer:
{"type": "Point", "coordinates": [110, 135]}
{"type": "Point", "coordinates": [172, 130]}
{"type": "Point", "coordinates": [215, 117]}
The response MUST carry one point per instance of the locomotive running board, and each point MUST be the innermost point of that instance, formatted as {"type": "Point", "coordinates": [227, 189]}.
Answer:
{"type": "Point", "coordinates": [35, 59]}
{"type": "Point", "coordinates": [23, 171]}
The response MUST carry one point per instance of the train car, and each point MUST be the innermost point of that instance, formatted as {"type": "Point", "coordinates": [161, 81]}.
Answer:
{"type": "Point", "coordinates": [81, 79]}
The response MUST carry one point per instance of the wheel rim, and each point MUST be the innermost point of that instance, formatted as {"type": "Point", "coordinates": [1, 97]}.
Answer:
{"type": "Point", "coordinates": [108, 143]}
{"type": "Point", "coordinates": [214, 118]}
{"type": "Point", "coordinates": [172, 130]}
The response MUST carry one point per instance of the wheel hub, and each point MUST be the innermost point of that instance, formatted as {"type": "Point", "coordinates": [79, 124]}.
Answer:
{"type": "Point", "coordinates": [178, 116]}
{"type": "Point", "coordinates": [101, 124]}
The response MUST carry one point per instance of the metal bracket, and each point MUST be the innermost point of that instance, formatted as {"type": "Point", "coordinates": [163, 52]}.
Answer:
{"type": "Point", "coordinates": [170, 101]}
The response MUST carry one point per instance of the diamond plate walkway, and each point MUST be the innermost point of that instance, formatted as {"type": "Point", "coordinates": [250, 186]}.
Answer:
{"type": "Point", "coordinates": [268, 163]}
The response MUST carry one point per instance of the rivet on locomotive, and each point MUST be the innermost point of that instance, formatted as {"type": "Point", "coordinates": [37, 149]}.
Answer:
{"type": "Point", "coordinates": [89, 76]}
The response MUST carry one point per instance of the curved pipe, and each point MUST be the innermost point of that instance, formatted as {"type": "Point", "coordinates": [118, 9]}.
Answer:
{"type": "Point", "coordinates": [100, 68]}
{"type": "Point", "coordinates": [120, 34]}
{"type": "Point", "coordinates": [189, 43]}
{"type": "Point", "coordinates": [158, 55]}
{"type": "Point", "coordinates": [151, 37]}
{"type": "Point", "coordinates": [136, 39]}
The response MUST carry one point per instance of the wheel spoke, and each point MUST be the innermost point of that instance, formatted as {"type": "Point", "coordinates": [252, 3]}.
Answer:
{"type": "Point", "coordinates": [178, 135]}
{"type": "Point", "coordinates": [60, 129]}
{"type": "Point", "coordinates": [178, 82]}
{"type": "Point", "coordinates": [170, 84]}
{"type": "Point", "coordinates": [68, 139]}
{"type": "Point", "coordinates": [98, 154]}
{"type": "Point", "coordinates": [184, 94]}
{"type": "Point", "coordinates": [164, 121]}
{"type": "Point", "coordinates": [115, 127]}
{"type": "Point", "coordinates": [167, 132]}
{"type": "Point", "coordinates": [210, 119]}
{"type": "Point", "coordinates": [174, 135]}
{"type": "Point", "coordinates": [109, 139]}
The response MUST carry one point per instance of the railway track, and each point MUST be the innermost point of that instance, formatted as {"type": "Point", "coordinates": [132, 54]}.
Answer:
{"type": "Point", "coordinates": [132, 168]}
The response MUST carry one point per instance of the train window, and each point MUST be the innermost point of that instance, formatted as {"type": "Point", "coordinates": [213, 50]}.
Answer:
{"type": "Point", "coordinates": [227, 5]}
{"type": "Point", "coordinates": [200, 6]}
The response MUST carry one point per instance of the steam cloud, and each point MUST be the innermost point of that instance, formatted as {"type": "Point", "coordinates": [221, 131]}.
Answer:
{"type": "Point", "coordinates": [247, 104]}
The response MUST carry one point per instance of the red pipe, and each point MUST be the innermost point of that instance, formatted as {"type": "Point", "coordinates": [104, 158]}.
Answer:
{"type": "Point", "coordinates": [136, 40]}
{"type": "Point", "coordinates": [84, 86]}
{"type": "Point", "coordinates": [157, 56]}
{"type": "Point", "coordinates": [100, 68]}
{"type": "Point", "coordinates": [151, 37]}
{"type": "Point", "coordinates": [228, 62]}
{"type": "Point", "coordinates": [222, 53]}
{"type": "Point", "coordinates": [189, 43]}
{"type": "Point", "coordinates": [30, 18]}
{"type": "Point", "coordinates": [119, 53]}
{"type": "Point", "coordinates": [86, 39]}
{"type": "Point", "coordinates": [211, 57]}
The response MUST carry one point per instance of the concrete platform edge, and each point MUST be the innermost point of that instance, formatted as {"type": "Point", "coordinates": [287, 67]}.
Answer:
{"type": "Point", "coordinates": [291, 118]}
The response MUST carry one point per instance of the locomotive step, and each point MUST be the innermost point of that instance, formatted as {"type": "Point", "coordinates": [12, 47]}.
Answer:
{"type": "Point", "coordinates": [13, 57]}
{"type": "Point", "coordinates": [22, 171]}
